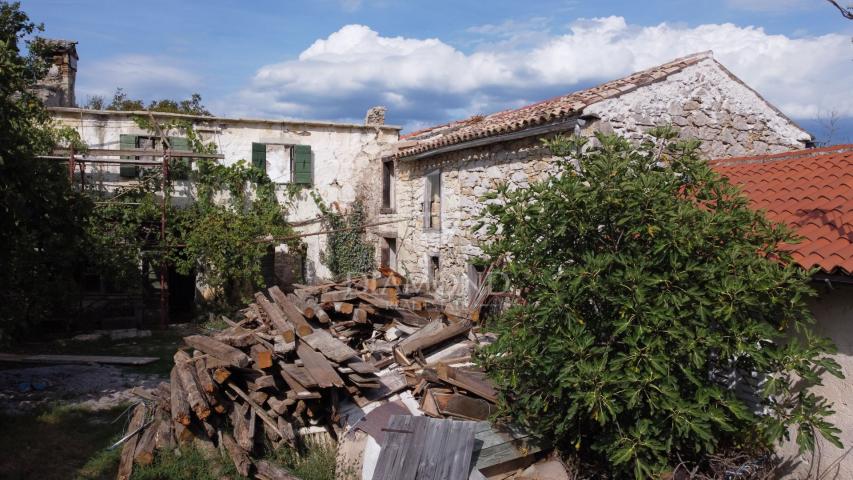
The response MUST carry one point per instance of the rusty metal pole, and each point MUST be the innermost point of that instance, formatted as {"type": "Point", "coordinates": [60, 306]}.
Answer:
{"type": "Point", "coordinates": [71, 167]}
{"type": "Point", "coordinates": [164, 268]}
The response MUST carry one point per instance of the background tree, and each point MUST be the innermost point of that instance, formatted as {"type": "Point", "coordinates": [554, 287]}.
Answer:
{"type": "Point", "coordinates": [41, 217]}
{"type": "Point", "coordinates": [643, 277]}
{"type": "Point", "coordinates": [122, 102]}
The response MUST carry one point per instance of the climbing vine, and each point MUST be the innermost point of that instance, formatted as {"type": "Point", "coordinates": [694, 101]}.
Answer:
{"type": "Point", "coordinates": [347, 251]}
{"type": "Point", "coordinates": [220, 222]}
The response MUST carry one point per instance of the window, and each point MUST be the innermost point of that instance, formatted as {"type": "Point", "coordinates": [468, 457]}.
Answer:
{"type": "Point", "coordinates": [433, 271]}
{"type": "Point", "coordinates": [432, 201]}
{"type": "Point", "coordinates": [180, 166]}
{"type": "Point", "coordinates": [284, 163]}
{"type": "Point", "coordinates": [387, 186]}
{"type": "Point", "coordinates": [388, 253]}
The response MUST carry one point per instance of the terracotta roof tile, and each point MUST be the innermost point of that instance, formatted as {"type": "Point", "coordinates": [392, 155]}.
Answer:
{"type": "Point", "coordinates": [539, 113]}
{"type": "Point", "coordinates": [809, 190]}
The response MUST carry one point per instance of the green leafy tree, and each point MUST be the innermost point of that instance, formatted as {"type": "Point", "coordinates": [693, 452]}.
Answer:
{"type": "Point", "coordinates": [122, 102]}
{"type": "Point", "coordinates": [643, 277]}
{"type": "Point", "coordinates": [41, 217]}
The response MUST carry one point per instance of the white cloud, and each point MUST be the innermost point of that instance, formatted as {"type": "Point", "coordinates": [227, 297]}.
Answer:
{"type": "Point", "coordinates": [428, 80]}
{"type": "Point", "coordinates": [141, 76]}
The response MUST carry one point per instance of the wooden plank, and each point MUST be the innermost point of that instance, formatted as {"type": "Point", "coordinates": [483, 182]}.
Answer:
{"type": "Point", "coordinates": [125, 466]}
{"type": "Point", "coordinates": [336, 296]}
{"type": "Point", "coordinates": [277, 318]}
{"type": "Point", "coordinates": [462, 406]}
{"type": "Point", "coordinates": [422, 340]}
{"type": "Point", "coordinates": [332, 348]}
{"type": "Point", "coordinates": [178, 399]}
{"type": "Point", "coordinates": [377, 302]}
{"type": "Point", "coordinates": [397, 435]}
{"type": "Point", "coordinates": [219, 350]}
{"type": "Point", "coordinates": [273, 472]}
{"type": "Point", "coordinates": [294, 316]}
{"type": "Point", "coordinates": [239, 456]}
{"type": "Point", "coordinates": [318, 367]}
{"type": "Point", "coordinates": [258, 410]}
{"type": "Point", "coordinates": [195, 396]}
{"type": "Point", "coordinates": [467, 379]}
{"type": "Point", "coordinates": [301, 376]}
{"type": "Point", "coordinates": [76, 359]}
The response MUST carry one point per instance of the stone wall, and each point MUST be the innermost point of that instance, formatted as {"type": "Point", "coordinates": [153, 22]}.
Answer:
{"type": "Point", "coordinates": [345, 160]}
{"type": "Point", "coordinates": [703, 100]}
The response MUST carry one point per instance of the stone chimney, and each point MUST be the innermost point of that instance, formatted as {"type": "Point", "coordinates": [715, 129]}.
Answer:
{"type": "Point", "coordinates": [56, 89]}
{"type": "Point", "coordinates": [375, 116]}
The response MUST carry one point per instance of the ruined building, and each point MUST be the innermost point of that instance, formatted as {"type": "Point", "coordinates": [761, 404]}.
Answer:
{"type": "Point", "coordinates": [434, 181]}
{"type": "Point", "coordinates": [56, 89]}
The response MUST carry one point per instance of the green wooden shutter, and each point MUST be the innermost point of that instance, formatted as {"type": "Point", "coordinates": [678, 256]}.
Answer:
{"type": "Point", "coordinates": [259, 156]}
{"type": "Point", "coordinates": [128, 142]}
{"type": "Point", "coordinates": [180, 165]}
{"type": "Point", "coordinates": [303, 173]}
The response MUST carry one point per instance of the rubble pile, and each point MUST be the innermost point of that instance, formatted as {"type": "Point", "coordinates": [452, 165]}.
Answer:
{"type": "Point", "coordinates": [297, 364]}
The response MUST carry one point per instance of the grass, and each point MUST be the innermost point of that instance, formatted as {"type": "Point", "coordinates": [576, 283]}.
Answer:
{"type": "Point", "coordinates": [58, 443]}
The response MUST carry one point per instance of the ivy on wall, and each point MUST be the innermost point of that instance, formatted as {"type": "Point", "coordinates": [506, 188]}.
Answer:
{"type": "Point", "coordinates": [347, 252]}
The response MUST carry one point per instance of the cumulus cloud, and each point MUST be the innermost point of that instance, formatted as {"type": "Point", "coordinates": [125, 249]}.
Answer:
{"type": "Point", "coordinates": [424, 81]}
{"type": "Point", "coordinates": [142, 76]}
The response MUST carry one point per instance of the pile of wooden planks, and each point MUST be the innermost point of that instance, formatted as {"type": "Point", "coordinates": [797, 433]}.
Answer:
{"type": "Point", "coordinates": [291, 359]}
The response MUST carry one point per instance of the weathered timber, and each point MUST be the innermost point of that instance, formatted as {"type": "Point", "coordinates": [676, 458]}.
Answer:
{"type": "Point", "coordinates": [272, 472]}
{"type": "Point", "coordinates": [339, 296]}
{"type": "Point", "coordinates": [195, 397]}
{"type": "Point", "coordinates": [276, 316]}
{"type": "Point", "coordinates": [76, 359]}
{"type": "Point", "coordinates": [239, 456]}
{"type": "Point", "coordinates": [144, 454]}
{"type": "Point", "coordinates": [125, 466]}
{"type": "Point", "coordinates": [205, 380]}
{"type": "Point", "coordinates": [180, 408]}
{"type": "Point", "coordinates": [382, 303]}
{"type": "Point", "coordinates": [462, 406]}
{"type": "Point", "coordinates": [433, 337]}
{"type": "Point", "coordinates": [359, 315]}
{"type": "Point", "coordinates": [219, 350]}
{"type": "Point", "coordinates": [332, 348]}
{"type": "Point", "coordinates": [318, 367]}
{"type": "Point", "coordinates": [475, 382]}
{"type": "Point", "coordinates": [322, 316]}
{"type": "Point", "coordinates": [296, 317]}
{"type": "Point", "coordinates": [343, 307]}
{"type": "Point", "coordinates": [257, 408]}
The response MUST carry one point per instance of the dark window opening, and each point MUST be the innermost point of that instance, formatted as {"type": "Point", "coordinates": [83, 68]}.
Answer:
{"type": "Point", "coordinates": [476, 277]}
{"type": "Point", "coordinates": [388, 254]}
{"type": "Point", "coordinates": [433, 271]}
{"type": "Point", "coordinates": [388, 186]}
{"type": "Point", "coordinates": [181, 295]}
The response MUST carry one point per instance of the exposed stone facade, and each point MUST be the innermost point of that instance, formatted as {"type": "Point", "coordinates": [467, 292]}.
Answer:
{"type": "Point", "coordinates": [705, 102]}
{"type": "Point", "coordinates": [703, 99]}
{"type": "Point", "coordinates": [56, 89]}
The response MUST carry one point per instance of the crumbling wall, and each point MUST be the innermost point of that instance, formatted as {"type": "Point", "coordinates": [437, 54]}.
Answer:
{"type": "Point", "coordinates": [704, 102]}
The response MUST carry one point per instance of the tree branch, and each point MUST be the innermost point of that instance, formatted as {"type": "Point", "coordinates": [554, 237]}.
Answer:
{"type": "Point", "coordinates": [846, 12]}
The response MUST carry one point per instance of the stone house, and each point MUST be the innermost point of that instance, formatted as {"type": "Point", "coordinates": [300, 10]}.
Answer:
{"type": "Point", "coordinates": [812, 192]}
{"type": "Point", "coordinates": [336, 160]}
{"type": "Point", "coordinates": [433, 182]}
{"type": "Point", "coordinates": [56, 89]}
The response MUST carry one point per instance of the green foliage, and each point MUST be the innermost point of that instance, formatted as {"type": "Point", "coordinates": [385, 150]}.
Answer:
{"type": "Point", "coordinates": [121, 102]}
{"type": "Point", "coordinates": [188, 463]}
{"type": "Point", "coordinates": [219, 234]}
{"type": "Point", "coordinates": [347, 252]}
{"type": "Point", "coordinates": [313, 463]}
{"type": "Point", "coordinates": [643, 275]}
{"type": "Point", "coordinates": [40, 215]}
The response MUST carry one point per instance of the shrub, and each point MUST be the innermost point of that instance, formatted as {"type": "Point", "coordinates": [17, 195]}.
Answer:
{"type": "Point", "coordinates": [643, 277]}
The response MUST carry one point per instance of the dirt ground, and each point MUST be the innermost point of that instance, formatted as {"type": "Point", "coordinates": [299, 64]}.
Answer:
{"type": "Point", "coordinates": [57, 420]}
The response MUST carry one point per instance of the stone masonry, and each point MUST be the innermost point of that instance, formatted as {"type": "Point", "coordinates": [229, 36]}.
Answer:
{"type": "Point", "coordinates": [703, 99]}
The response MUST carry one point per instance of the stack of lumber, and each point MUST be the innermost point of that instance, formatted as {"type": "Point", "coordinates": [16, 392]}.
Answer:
{"type": "Point", "coordinates": [289, 362]}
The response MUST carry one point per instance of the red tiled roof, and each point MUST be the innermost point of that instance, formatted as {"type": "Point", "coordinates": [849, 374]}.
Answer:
{"type": "Point", "coordinates": [547, 111]}
{"type": "Point", "coordinates": [809, 190]}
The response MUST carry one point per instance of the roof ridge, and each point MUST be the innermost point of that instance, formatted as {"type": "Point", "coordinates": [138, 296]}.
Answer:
{"type": "Point", "coordinates": [775, 157]}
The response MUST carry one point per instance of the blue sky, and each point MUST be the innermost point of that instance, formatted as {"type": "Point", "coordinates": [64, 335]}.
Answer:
{"type": "Point", "coordinates": [434, 61]}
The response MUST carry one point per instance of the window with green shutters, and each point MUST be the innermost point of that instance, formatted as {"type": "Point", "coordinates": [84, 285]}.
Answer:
{"type": "Point", "coordinates": [259, 156]}
{"type": "Point", "coordinates": [128, 142]}
{"type": "Point", "coordinates": [180, 166]}
{"type": "Point", "coordinates": [303, 171]}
